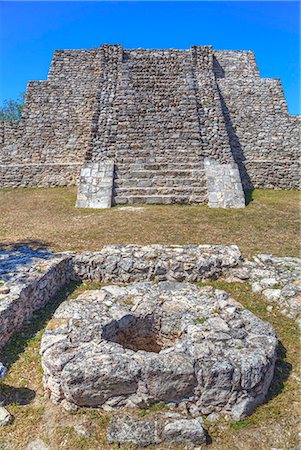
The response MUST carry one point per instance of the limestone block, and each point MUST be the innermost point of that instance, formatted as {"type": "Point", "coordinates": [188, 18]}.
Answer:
{"type": "Point", "coordinates": [224, 185]}
{"type": "Point", "coordinates": [96, 185]}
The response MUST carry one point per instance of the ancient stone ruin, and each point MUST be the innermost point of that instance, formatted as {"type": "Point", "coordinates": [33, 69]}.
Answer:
{"type": "Point", "coordinates": [167, 342]}
{"type": "Point", "coordinates": [150, 335]}
{"type": "Point", "coordinates": [153, 126]}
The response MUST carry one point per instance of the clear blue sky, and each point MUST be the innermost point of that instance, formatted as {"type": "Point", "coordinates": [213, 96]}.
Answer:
{"type": "Point", "coordinates": [31, 31]}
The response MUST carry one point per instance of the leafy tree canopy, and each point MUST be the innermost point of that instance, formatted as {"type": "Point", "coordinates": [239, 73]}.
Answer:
{"type": "Point", "coordinates": [12, 109]}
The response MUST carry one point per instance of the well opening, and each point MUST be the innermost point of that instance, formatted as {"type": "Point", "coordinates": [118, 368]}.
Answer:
{"type": "Point", "coordinates": [136, 333]}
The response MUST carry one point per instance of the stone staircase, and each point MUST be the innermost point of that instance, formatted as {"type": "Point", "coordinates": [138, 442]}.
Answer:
{"type": "Point", "coordinates": [160, 183]}
{"type": "Point", "coordinates": [158, 117]}
{"type": "Point", "coordinates": [158, 156]}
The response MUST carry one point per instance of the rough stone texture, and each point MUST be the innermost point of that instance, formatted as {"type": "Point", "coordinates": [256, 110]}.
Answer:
{"type": "Point", "coordinates": [132, 263]}
{"type": "Point", "coordinates": [157, 114]}
{"type": "Point", "coordinates": [224, 185]}
{"type": "Point", "coordinates": [31, 279]}
{"type": "Point", "coordinates": [3, 371]}
{"type": "Point", "coordinates": [172, 342]}
{"type": "Point", "coordinates": [96, 185]}
{"type": "Point", "coordinates": [278, 280]}
{"type": "Point", "coordinates": [5, 417]}
{"type": "Point", "coordinates": [168, 428]}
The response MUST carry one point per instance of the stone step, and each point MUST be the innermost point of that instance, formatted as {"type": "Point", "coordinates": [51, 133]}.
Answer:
{"type": "Point", "coordinates": [160, 199]}
{"type": "Point", "coordinates": [149, 174]}
{"type": "Point", "coordinates": [154, 166]}
{"type": "Point", "coordinates": [158, 182]}
{"type": "Point", "coordinates": [160, 190]}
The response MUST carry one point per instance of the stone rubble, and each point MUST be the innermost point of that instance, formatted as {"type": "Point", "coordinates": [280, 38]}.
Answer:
{"type": "Point", "coordinates": [167, 342]}
{"type": "Point", "coordinates": [277, 280]}
{"type": "Point", "coordinates": [29, 280]}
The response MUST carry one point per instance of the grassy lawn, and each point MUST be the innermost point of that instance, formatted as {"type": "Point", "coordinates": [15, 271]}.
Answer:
{"type": "Point", "coordinates": [273, 425]}
{"type": "Point", "coordinates": [47, 216]}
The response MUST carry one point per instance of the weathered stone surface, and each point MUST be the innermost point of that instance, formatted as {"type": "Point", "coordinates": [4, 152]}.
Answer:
{"type": "Point", "coordinates": [96, 185]}
{"type": "Point", "coordinates": [3, 371]}
{"type": "Point", "coordinates": [185, 431]}
{"type": "Point", "coordinates": [171, 342]}
{"type": "Point", "coordinates": [132, 263]}
{"type": "Point", "coordinates": [31, 279]}
{"type": "Point", "coordinates": [5, 417]}
{"type": "Point", "coordinates": [160, 428]}
{"type": "Point", "coordinates": [224, 185]}
{"type": "Point", "coordinates": [126, 429]}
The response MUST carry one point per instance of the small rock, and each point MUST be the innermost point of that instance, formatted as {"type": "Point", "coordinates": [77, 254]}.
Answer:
{"type": "Point", "coordinates": [3, 371]}
{"type": "Point", "coordinates": [269, 308]}
{"type": "Point", "coordinates": [5, 417]}
{"type": "Point", "coordinates": [126, 429]}
{"type": "Point", "coordinates": [243, 273]}
{"type": "Point", "coordinates": [4, 290]}
{"type": "Point", "coordinates": [213, 417]}
{"type": "Point", "coordinates": [272, 294]}
{"type": "Point", "coordinates": [256, 288]}
{"type": "Point", "coordinates": [37, 444]}
{"type": "Point", "coordinates": [83, 429]}
{"type": "Point", "coordinates": [193, 410]}
{"type": "Point", "coordinates": [68, 406]}
{"type": "Point", "coordinates": [185, 431]}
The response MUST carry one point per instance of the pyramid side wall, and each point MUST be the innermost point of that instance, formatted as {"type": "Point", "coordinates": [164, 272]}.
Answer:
{"type": "Point", "coordinates": [264, 138]}
{"type": "Point", "coordinates": [55, 127]}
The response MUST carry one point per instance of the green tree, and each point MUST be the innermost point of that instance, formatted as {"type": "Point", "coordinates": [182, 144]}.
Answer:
{"type": "Point", "coordinates": [12, 109]}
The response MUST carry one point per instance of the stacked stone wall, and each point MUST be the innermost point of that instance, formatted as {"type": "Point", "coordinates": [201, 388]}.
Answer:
{"type": "Point", "coordinates": [264, 138]}
{"type": "Point", "coordinates": [53, 135]}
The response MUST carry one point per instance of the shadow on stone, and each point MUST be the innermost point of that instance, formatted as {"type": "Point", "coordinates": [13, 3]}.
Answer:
{"type": "Point", "coordinates": [17, 344]}
{"type": "Point", "coordinates": [248, 196]}
{"type": "Point", "coordinates": [237, 150]}
{"type": "Point", "coordinates": [281, 374]}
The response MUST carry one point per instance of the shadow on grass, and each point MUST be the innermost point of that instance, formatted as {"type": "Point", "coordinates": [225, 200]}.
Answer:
{"type": "Point", "coordinates": [30, 243]}
{"type": "Point", "coordinates": [281, 374]}
{"type": "Point", "coordinates": [13, 395]}
{"type": "Point", "coordinates": [18, 343]}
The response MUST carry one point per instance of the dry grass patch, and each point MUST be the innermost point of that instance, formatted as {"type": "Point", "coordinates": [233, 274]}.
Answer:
{"type": "Point", "coordinates": [47, 216]}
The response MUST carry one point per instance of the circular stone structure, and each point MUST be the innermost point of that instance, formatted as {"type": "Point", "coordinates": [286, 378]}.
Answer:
{"type": "Point", "coordinates": [168, 342]}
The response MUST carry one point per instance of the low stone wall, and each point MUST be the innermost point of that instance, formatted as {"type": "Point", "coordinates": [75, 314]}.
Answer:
{"type": "Point", "coordinates": [30, 288]}
{"type": "Point", "coordinates": [30, 279]}
{"type": "Point", "coordinates": [41, 175]}
{"type": "Point", "coordinates": [132, 263]}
